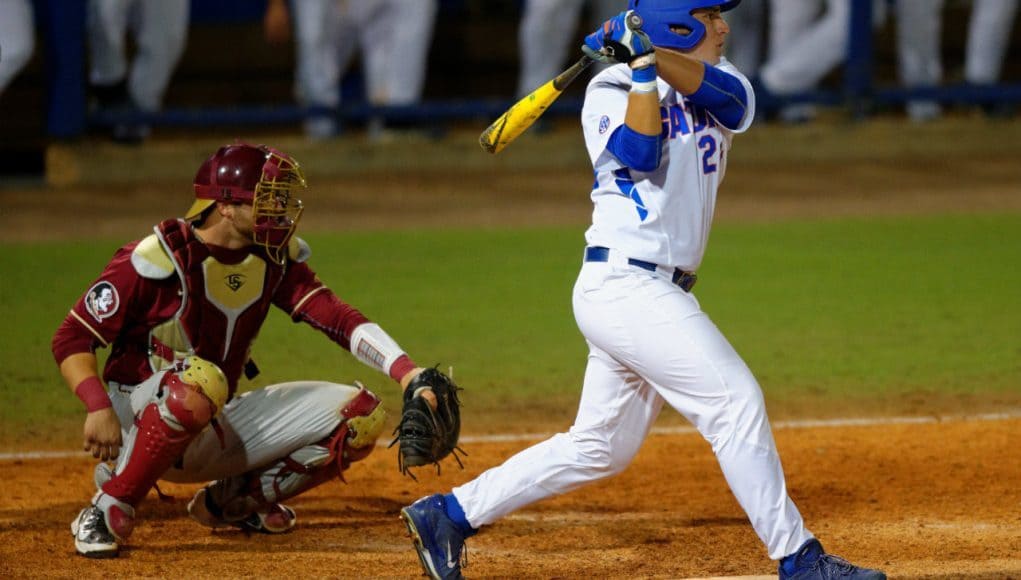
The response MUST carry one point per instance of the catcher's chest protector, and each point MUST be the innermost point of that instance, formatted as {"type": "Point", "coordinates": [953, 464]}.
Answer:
{"type": "Point", "coordinates": [223, 305]}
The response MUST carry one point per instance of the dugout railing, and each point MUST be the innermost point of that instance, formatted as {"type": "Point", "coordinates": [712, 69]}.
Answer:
{"type": "Point", "coordinates": [63, 37]}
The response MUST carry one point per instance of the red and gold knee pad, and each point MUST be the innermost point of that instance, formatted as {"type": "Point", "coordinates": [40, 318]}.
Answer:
{"type": "Point", "coordinates": [188, 399]}
{"type": "Point", "coordinates": [364, 417]}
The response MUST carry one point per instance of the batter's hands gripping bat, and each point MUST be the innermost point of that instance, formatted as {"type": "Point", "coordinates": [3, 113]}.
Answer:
{"type": "Point", "coordinates": [523, 113]}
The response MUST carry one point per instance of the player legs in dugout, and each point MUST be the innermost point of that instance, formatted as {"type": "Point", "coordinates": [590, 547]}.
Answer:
{"type": "Point", "coordinates": [17, 38]}
{"type": "Point", "coordinates": [657, 127]}
{"type": "Point", "coordinates": [393, 37]}
{"type": "Point", "coordinates": [544, 46]}
{"type": "Point", "coordinates": [138, 84]}
{"type": "Point", "coordinates": [180, 310]}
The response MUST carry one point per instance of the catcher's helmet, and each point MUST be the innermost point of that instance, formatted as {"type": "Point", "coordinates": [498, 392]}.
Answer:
{"type": "Point", "coordinates": [257, 175]}
{"type": "Point", "coordinates": [661, 20]}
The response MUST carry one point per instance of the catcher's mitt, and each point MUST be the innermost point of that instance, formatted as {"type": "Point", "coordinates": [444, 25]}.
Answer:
{"type": "Point", "coordinates": [427, 436]}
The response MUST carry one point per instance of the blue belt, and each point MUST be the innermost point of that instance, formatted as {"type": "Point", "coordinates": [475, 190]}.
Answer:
{"type": "Point", "coordinates": [683, 279]}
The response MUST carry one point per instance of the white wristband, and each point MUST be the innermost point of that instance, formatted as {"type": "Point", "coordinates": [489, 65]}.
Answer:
{"type": "Point", "coordinates": [646, 87]}
{"type": "Point", "coordinates": [374, 347]}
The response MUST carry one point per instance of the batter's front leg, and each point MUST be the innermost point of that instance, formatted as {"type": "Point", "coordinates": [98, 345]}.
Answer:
{"type": "Point", "coordinates": [616, 411]}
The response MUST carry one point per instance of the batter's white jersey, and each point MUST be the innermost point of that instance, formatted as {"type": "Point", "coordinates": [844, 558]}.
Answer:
{"type": "Point", "coordinates": [662, 216]}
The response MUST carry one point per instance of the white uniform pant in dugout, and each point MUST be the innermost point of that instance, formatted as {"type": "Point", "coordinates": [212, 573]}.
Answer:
{"type": "Point", "coordinates": [649, 342]}
{"type": "Point", "coordinates": [258, 427]}
{"type": "Point", "coordinates": [160, 32]}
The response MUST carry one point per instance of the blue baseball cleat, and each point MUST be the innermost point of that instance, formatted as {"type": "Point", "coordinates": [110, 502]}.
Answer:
{"type": "Point", "coordinates": [810, 562]}
{"type": "Point", "coordinates": [438, 539]}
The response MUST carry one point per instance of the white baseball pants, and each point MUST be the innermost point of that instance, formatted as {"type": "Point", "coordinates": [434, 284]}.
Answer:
{"type": "Point", "coordinates": [393, 35]}
{"type": "Point", "coordinates": [258, 427]}
{"type": "Point", "coordinates": [988, 38]}
{"type": "Point", "coordinates": [545, 33]}
{"type": "Point", "coordinates": [744, 43]}
{"type": "Point", "coordinates": [17, 38]}
{"type": "Point", "coordinates": [160, 30]}
{"type": "Point", "coordinates": [649, 343]}
{"type": "Point", "coordinates": [807, 41]}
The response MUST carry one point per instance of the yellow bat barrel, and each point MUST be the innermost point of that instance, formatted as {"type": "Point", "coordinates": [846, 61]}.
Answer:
{"type": "Point", "coordinates": [523, 113]}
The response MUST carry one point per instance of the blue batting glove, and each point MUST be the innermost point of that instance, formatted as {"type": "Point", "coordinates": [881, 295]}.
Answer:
{"type": "Point", "coordinates": [594, 45]}
{"type": "Point", "coordinates": [620, 39]}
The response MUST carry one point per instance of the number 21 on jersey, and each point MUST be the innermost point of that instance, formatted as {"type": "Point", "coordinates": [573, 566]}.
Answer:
{"type": "Point", "coordinates": [675, 122]}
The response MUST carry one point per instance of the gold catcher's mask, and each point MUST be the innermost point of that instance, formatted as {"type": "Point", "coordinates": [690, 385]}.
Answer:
{"type": "Point", "coordinates": [261, 176]}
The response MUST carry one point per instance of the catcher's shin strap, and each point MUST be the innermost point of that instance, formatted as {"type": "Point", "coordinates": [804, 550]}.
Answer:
{"type": "Point", "coordinates": [686, 280]}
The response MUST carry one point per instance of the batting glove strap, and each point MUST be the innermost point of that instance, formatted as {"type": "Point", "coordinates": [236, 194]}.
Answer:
{"type": "Point", "coordinates": [643, 63]}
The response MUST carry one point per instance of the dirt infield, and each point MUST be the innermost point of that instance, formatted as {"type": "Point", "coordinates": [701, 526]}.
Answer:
{"type": "Point", "coordinates": [928, 499]}
{"type": "Point", "coordinates": [936, 500]}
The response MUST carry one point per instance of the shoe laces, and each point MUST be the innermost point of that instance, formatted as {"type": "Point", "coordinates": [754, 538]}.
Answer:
{"type": "Point", "coordinates": [462, 558]}
{"type": "Point", "coordinates": [94, 522]}
{"type": "Point", "coordinates": [836, 563]}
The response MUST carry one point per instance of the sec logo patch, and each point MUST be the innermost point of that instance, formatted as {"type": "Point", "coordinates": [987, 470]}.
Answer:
{"type": "Point", "coordinates": [102, 300]}
{"type": "Point", "coordinates": [604, 124]}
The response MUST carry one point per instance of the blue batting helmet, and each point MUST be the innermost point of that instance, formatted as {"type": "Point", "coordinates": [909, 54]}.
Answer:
{"type": "Point", "coordinates": [663, 19]}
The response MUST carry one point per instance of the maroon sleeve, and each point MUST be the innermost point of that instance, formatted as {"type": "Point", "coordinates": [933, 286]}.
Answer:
{"type": "Point", "coordinates": [97, 317]}
{"type": "Point", "coordinates": [302, 295]}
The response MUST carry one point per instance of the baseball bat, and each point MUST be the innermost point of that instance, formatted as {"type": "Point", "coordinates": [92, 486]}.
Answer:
{"type": "Point", "coordinates": [523, 113]}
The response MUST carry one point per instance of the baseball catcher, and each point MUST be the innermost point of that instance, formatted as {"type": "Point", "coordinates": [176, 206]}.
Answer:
{"type": "Point", "coordinates": [180, 310]}
{"type": "Point", "coordinates": [430, 425]}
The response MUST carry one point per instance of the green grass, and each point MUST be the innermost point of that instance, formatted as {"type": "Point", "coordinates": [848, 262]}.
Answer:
{"type": "Point", "coordinates": [873, 307]}
{"type": "Point", "coordinates": [838, 310]}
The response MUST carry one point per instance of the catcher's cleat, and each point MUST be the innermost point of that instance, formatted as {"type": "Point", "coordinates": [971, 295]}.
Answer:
{"type": "Point", "coordinates": [438, 540]}
{"type": "Point", "coordinates": [92, 538]}
{"type": "Point", "coordinates": [810, 562]}
{"type": "Point", "coordinates": [276, 519]}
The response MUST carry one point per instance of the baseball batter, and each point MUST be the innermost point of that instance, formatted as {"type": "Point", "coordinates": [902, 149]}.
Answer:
{"type": "Point", "coordinates": [180, 310]}
{"type": "Point", "coordinates": [658, 130]}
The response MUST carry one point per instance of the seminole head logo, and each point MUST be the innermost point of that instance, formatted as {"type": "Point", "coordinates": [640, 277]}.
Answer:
{"type": "Point", "coordinates": [234, 281]}
{"type": "Point", "coordinates": [102, 300]}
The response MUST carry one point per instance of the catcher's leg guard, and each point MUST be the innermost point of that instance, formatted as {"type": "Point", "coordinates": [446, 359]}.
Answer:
{"type": "Point", "coordinates": [162, 432]}
{"type": "Point", "coordinates": [252, 500]}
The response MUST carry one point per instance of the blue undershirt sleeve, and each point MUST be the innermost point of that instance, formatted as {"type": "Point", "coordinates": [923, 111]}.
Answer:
{"type": "Point", "coordinates": [723, 95]}
{"type": "Point", "coordinates": [637, 151]}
